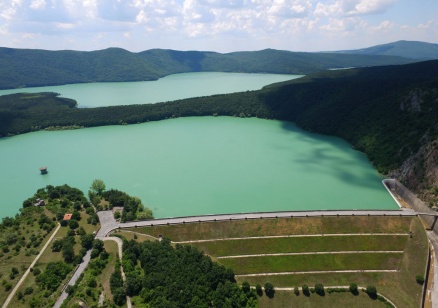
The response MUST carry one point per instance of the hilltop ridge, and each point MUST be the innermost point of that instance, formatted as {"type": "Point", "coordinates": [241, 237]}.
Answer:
{"type": "Point", "coordinates": [21, 68]}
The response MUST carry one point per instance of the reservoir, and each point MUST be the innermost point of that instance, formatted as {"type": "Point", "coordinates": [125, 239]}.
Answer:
{"type": "Point", "coordinates": [194, 166]}
{"type": "Point", "coordinates": [168, 88]}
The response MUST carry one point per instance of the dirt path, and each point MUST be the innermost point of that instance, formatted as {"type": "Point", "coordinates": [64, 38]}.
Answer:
{"type": "Point", "coordinates": [309, 253]}
{"type": "Point", "coordinates": [6, 303]}
{"type": "Point", "coordinates": [317, 272]}
{"type": "Point", "coordinates": [119, 242]}
{"type": "Point", "coordinates": [287, 236]}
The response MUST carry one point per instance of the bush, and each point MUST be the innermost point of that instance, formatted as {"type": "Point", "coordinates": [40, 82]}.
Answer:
{"type": "Point", "coordinates": [319, 289]}
{"type": "Point", "coordinates": [306, 290]}
{"type": "Point", "coordinates": [36, 271]}
{"type": "Point", "coordinates": [8, 286]}
{"type": "Point", "coordinates": [353, 289]}
{"type": "Point", "coordinates": [371, 291]}
{"type": "Point", "coordinates": [269, 290]}
{"type": "Point", "coordinates": [92, 283]}
{"type": "Point", "coordinates": [73, 224]}
{"type": "Point", "coordinates": [296, 291]}
{"type": "Point", "coordinates": [259, 290]}
{"type": "Point", "coordinates": [246, 287]}
{"type": "Point", "coordinates": [419, 279]}
{"type": "Point", "coordinates": [28, 290]}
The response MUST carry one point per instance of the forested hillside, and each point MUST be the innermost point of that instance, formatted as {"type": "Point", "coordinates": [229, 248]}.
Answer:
{"type": "Point", "coordinates": [406, 49]}
{"type": "Point", "coordinates": [387, 112]}
{"type": "Point", "coordinates": [30, 68]}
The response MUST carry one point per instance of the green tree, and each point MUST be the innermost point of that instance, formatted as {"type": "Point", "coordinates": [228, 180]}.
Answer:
{"type": "Point", "coordinates": [119, 296]}
{"type": "Point", "coordinates": [87, 241]}
{"type": "Point", "coordinates": [73, 224]}
{"type": "Point", "coordinates": [319, 289]}
{"type": "Point", "coordinates": [353, 289]}
{"type": "Point", "coordinates": [98, 187]}
{"type": "Point", "coordinates": [305, 289]}
{"type": "Point", "coordinates": [269, 290]}
{"type": "Point", "coordinates": [246, 287]}
{"type": "Point", "coordinates": [296, 291]}
{"type": "Point", "coordinates": [371, 291]}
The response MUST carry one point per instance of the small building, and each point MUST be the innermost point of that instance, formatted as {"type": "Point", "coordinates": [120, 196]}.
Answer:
{"type": "Point", "coordinates": [40, 202]}
{"type": "Point", "coordinates": [43, 170]}
{"type": "Point", "coordinates": [67, 217]}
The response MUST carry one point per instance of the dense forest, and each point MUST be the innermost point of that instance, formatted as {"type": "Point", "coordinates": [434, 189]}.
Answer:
{"type": "Point", "coordinates": [164, 276]}
{"type": "Point", "coordinates": [21, 68]}
{"type": "Point", "coordinates": [386, 112]}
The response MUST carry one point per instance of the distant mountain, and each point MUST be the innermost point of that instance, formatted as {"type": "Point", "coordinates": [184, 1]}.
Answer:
{"type": "Point", "coordinates": [31, 68]}
{"type": "Point", "coordinates": [406, 49]}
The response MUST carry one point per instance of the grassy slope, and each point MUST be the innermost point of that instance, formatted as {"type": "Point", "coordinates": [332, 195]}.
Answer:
{"type": "Point", "coordinates": [303, 244]}
{"type": "Point", "coordinates": [399, 287]}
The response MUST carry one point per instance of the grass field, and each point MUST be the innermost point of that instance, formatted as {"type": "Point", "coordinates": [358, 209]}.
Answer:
{"type": "Point", "coordinates": [303, 244]}
{"type": "Point", "coordinates": [32, 239]}
{"type": "Point", "coordinates": [288, 299]}
{"type": "Point", "coordinates": [399, 286]}
{"type": "Point", "coordinates": [329, 262]}
{"type": "Point", "coordinates": [280, 226]}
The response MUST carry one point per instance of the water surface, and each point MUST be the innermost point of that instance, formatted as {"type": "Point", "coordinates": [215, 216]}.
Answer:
{"type": "Point", "coordinates": [194, 166]}
{"type": "Point", "coordinates": [169, 88]}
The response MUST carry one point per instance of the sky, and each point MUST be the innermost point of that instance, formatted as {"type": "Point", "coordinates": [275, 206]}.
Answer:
{"type": "Point", "coordinates": [215, 25]}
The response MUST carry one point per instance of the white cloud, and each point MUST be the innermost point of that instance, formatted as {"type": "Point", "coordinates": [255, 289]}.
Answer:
{"type": "Point", "coordinates": [384, 26]}
{"type": "Point", "coordinates": [353, 7]}
{"type": "Point", "coordinates": [200, 24]}
{"type": "Point", "coordinates": [38, 4]}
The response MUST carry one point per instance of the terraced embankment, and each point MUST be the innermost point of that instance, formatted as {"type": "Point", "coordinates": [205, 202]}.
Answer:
{"type": "Point", "coordinates": [385, 251]}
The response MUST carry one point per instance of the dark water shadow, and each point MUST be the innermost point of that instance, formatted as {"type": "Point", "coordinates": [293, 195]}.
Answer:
{"type": "Point", "coordinates": [319, 156]}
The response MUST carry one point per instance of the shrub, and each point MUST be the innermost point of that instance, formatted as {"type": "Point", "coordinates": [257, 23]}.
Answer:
{"type": "Point", "coordinates": [28, 290]}
{"type": "Point", "coordinates": [269, 290]}
{"type": "Point", "coordinates": [92, 283]}
{"type": "Point", "coordinates": [296, 291]}
{"type": "Point", "coordinates": [306, 290]}
{"type": "Point", "coordinates": [353, 289]}
{"type": "Point", "coordinates": [246, 287]}
{"type": "Point", "coordinates": [8, 286]}
{"type": "Point", "coordinates": [319, 289]}
{"type": "Point", "coordinates": [73, 224]}
{"type": "Point", "coordinates": [419, 279]}
{"type": "Point", "coordinates": [371, 291]}
{"type": "Point", "coordinates": [259, 290]}
{"type": "Point", "coordinates": [36, 271]}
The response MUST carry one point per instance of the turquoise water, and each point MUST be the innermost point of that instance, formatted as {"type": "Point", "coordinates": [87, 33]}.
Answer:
{"type": "Point", "coordinates": [193, 166]}
{"type": "Point", "coordinates": [169, 88]}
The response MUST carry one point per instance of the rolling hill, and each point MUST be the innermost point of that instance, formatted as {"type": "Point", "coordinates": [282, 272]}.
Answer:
{"type": "Point", "coordinates": [21, 68]}
{"type": "Point", "coordinates": [406, 49]}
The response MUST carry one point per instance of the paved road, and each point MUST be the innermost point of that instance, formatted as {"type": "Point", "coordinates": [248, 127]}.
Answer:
{"type": "Point", "coordinates": [108, 222]}
{"type": "Point", "coordinates": [6, 303]}
{"type": "Point", "coordinates": [74, 278]}
{"type": "Point", "coordinates": [433, 238]}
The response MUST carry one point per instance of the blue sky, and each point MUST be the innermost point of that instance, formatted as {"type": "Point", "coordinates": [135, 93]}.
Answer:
{"type": "Point", "coordinates": [216, 25]}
